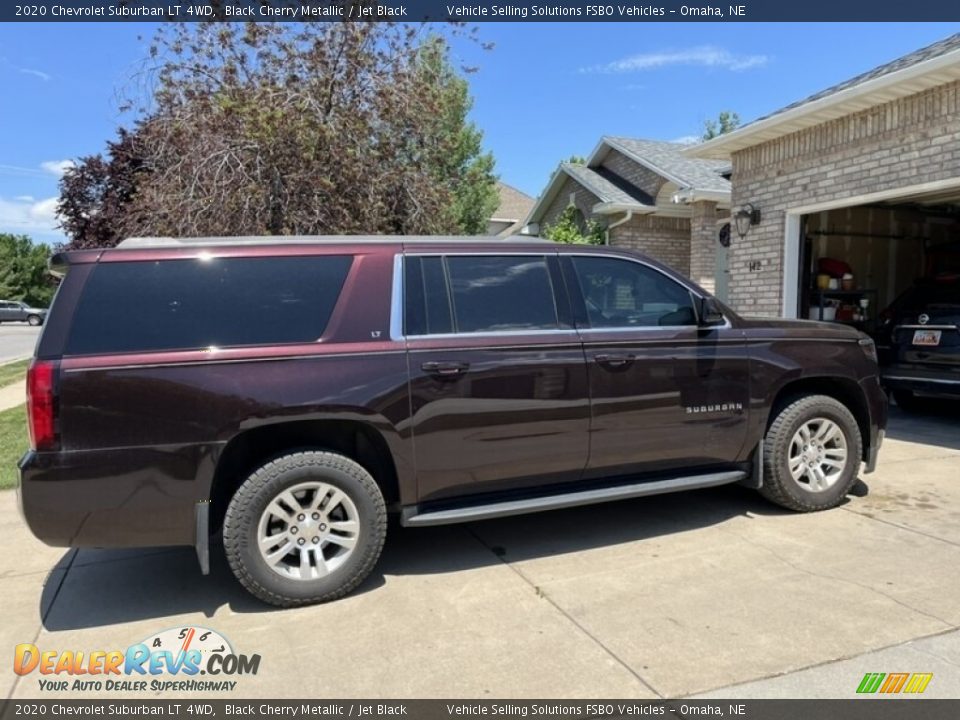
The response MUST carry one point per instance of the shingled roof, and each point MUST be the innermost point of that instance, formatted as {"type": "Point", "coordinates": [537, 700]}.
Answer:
{"type": "Point", "coordinates": [692, 178]}
{"type": "Point", "coordinates": [928, 53]}
{"type": "Point", "coordinates": [667, 159]}
{"type": "Point", "coordinates": [607, 186]}
{"type": "Point", "coordinates": [933, 65]}
{"type": "Point", "coordinates": [514, 204]}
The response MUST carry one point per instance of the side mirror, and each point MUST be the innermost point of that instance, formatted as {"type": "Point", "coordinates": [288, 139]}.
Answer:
{"type": "Point", "coordinates": [711, 314]}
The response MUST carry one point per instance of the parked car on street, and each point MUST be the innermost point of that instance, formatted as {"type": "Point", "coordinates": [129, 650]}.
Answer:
{"type": "Point", "coordinates": [923, 327]}
{"type": "Point", "coordinates": [287, 393]}
{"type": "Point", "coordinates": [16, 311]}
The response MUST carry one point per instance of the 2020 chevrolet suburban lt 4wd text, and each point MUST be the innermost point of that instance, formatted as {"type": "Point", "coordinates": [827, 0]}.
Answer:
{"type": "Point", "coordinates": [288, 393]}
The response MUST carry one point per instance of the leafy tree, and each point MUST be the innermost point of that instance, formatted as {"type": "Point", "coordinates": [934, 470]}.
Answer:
{"type": "Point", "coordinates": [460, 159]}
{"type": "Point", "coordinates": [577, 160]}
{"type": "Point", "coordinates": [727, 121]}
{"type": "Point", "coordinates": [279, 128]}
{"type": "Point", "coordinates": [23, 270]}
{"type": "Point", "coordinates": [96, 194]}
{"type": "Point", "coordinates": [571, 228]}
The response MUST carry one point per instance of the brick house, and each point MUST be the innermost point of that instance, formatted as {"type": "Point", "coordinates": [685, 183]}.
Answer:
{"type": "Point", "coordinates": [512, 208]}
{"type": "Point", "coordinates": [866, 173]}
{"type": "Point", "coordinates": [649, 196]}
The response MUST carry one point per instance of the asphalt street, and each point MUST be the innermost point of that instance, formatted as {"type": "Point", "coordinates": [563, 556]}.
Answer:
{"type": "Point", "coordinates": [17, 341]}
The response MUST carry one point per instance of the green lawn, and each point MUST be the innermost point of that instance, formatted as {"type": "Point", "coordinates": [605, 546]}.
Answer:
{"type": "Point", "coordinates": [13, 443]}
{"type": "Point", "coordinates": [12, 372]}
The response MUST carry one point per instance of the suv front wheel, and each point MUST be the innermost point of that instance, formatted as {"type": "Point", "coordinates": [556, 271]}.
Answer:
{"type": "Point", "coordinates": [811, 454]}
{"type": "Point", "coordinates": [305, 528]}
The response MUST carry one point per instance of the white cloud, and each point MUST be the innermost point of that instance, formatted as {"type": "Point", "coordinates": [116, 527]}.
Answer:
{"type": "Point", "coordinates": [688, 139]}
{"type": "Point", "coordinates": [36, 73]}
{"type": "Point", "coordinates": [703, 56]}
{"type": "Point", "coordinates": [56, 167]}
{"type": "Point", "coordinates": [46, 77]}
{"type": "Point", "coordinates": [29, 216]}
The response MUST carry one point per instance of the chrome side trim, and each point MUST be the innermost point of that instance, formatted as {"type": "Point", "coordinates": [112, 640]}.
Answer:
{"type": "Point", "coordinates": [411, 516]}
{"type": "Point", "coordinates": [925, 327]}
{"type": "Point", "coordinates": [496, 334]}
{"type": "Point", "coordinates": [918, 378]}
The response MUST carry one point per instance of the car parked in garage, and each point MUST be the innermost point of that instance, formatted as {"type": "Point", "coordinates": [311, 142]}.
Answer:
{"type": "Point", "coordinates": [923, 327]}
{"type": "Point", "coordinates": [17, 311]}
{"type": "Point", "coordinates": [286, 393]}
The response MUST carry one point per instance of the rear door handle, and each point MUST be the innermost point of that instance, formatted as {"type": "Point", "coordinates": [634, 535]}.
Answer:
{"type": "Point", "coordinates": [445, 369]}
{"type": "Point", "coordinates": [615, 359]}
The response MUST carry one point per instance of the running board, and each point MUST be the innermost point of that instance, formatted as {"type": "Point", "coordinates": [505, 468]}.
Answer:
{"type": "Point", "coordinates": [412, 517]}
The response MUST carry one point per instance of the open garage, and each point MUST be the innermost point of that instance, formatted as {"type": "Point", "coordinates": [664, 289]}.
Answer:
{"type": "Point", "coordinates": [847, 209]}
{"type": "Point", "coordinates": [866, 172]}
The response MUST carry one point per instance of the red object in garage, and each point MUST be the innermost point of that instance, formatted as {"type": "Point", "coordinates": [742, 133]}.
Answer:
{"type": "Point", "coordinates": [833, 267]}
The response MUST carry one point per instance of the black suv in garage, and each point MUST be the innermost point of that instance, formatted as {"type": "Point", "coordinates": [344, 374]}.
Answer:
{"type": "Point", "coordinates": [287, 393]}
{"type": "Point", "coordinates": [924, 341]}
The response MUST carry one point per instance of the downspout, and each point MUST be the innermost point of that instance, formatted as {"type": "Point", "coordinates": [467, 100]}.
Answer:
{"type": "Point", "coordinates": [625, 219]}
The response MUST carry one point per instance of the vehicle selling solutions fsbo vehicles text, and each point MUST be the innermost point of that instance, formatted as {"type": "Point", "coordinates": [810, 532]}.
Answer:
{"type": "Point", "coordinates": [516, 11]}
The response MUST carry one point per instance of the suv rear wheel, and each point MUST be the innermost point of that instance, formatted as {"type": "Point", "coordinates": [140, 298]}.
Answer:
{"type": "Point", "coordinates": [811, 454]}
{"type": "Point", "coordinates": [34, 320]}
{"type": "Point", "coordinates": [305, 528]}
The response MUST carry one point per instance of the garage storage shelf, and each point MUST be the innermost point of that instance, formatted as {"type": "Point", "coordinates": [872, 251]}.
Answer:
{"type": "Point", "coordinates": [818, 296]}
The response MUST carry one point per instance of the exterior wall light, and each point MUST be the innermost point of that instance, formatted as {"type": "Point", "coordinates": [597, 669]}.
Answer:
{"type": "Point", "coordinates": [746, 216]}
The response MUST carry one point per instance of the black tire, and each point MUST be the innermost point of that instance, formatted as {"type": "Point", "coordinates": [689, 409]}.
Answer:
{"type": "Point", "coordinates": [778, 484]}
{"type": "Point", "coordinates": [34, 320]}
{"type": "Point", "coordinates": [241, 528]}
{"type": "Point", "coordinates": [907, 401]}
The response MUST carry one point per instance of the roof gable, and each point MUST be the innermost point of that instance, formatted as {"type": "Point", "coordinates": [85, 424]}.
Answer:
{"type": "Point", "coordinates": [667, 160]}
{"type": "Point", "coordinates": [514, 204]}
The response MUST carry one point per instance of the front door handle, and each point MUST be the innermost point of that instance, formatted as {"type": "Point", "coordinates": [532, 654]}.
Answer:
{"type": "Point", "coordinates": [616, 360]}
{"type": "Point", "coordinates": [445, 369]}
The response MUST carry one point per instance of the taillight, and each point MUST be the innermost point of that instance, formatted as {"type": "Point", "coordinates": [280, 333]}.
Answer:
{"type": "Point", "coordinates": [41, 405]}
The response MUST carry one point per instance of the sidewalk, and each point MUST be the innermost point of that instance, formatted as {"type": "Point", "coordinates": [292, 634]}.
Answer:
{"type": "Point", "coordinates": [13, 395]}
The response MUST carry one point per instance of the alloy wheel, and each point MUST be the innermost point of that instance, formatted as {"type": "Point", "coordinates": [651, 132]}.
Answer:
{"type": "Point", "coordinates": [818, 454]}
{"type": "Point", "coordinates": [308, 531]}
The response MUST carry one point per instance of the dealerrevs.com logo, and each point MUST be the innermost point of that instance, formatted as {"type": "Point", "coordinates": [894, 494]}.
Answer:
{"type": "Point", "coordinates": [170, 661]}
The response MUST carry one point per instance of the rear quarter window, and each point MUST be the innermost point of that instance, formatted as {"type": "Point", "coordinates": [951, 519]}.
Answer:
{"type": "Point", "coordinates": [200, 303]}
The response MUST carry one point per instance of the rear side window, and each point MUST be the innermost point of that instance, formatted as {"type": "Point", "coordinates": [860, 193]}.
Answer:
{"type": "Point", "coordinates": [200, 303]}
{"type": "Point", "coordinates": [477, 293]}
{"type": "Point", "coordinates": [427, 304]}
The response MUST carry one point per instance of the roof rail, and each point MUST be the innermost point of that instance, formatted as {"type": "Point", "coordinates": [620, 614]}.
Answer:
{"type": "Point", "coordinates": [138, 243]}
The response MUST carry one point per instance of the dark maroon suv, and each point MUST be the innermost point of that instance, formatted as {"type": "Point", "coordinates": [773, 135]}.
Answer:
{"type": "Point", "coordinates": [288, 393]}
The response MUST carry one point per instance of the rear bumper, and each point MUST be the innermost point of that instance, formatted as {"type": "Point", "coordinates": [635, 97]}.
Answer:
{"type": "Point", "coordinates": [922, 380]}
{"type": "Point", "coordinates": [111, 498]}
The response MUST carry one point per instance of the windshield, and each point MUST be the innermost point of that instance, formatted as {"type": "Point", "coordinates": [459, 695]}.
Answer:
{"type": "Point", "coordinates": [932, 294]}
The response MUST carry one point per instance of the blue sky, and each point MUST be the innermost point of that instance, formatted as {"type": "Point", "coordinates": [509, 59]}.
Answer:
{"type": "Point", "coordinates": [544, 92]}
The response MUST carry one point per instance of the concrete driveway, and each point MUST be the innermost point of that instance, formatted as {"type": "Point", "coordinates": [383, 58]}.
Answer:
{"type": "Point", "coordinates": [711, 592]}
{"type": "Point", "coordinates": [17, 340]}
